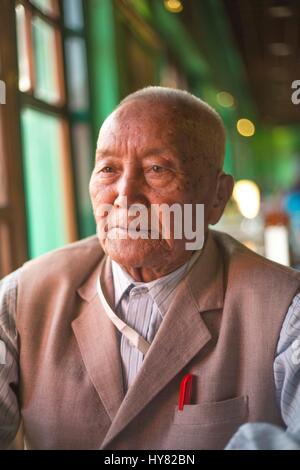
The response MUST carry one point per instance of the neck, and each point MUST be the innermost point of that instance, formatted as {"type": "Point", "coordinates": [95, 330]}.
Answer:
{"type": "Point", "coordinates": [149, 273]}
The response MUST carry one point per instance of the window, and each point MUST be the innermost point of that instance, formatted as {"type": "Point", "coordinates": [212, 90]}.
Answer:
{"type": "Point", "coordinates": [44, 176]}
{"type": "Point", "coordinates": [79, 110]}
{"type": "Point", "coordinates": [13, 247]}
{"type": "Point", "coordinates": [47, 167]}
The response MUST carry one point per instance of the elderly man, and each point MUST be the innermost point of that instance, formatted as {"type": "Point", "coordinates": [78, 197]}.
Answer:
{"type": "Point", "coordinates": [126, 342]}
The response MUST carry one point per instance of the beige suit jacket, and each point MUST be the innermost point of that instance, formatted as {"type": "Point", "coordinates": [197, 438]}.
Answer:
{"type": "Point", "coordinates": [222, 326]}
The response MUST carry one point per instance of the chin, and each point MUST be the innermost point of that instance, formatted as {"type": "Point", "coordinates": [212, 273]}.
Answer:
{"type": "Point", "coordinates": [133, 253]}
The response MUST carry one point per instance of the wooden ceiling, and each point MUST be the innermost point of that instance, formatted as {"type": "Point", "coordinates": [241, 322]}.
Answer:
{"type": "Point", "coordinates": [267, 34]}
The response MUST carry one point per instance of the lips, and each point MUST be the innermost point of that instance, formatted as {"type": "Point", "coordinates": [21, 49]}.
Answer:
{"type": "Point", "coordinates": [126, 229]}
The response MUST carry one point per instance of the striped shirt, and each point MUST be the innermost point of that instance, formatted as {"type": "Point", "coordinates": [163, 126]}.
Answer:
{"type": "Point", "coordinates": [155, 301]}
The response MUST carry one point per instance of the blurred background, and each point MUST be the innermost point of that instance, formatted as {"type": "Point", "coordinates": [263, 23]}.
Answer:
{"type": "Point", "coordinates": [64, 66]}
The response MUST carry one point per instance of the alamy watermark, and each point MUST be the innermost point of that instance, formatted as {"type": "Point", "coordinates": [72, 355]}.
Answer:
{"type": "Point", "coordinates": [2, 92]}
{"type": "Point", "coordinates": [296, 352]}
{"type": "Point", "coordinates": [296, 94]}
{"type": "Point", "coordinates": [159, 221]}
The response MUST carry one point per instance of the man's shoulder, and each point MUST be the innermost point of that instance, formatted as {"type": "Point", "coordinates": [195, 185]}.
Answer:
{"type": "Point", "coordinates": [238, 257]}
{"type": "Point", "coordinates": [80, 255]}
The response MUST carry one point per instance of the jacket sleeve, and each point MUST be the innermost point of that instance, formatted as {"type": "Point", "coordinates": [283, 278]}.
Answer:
{"type": "Point", "coordinates": [9, 368]}
{"type": "Point", "coordinates": [264, 436]}
{"type": "Point", "coordinates": [287, 367]}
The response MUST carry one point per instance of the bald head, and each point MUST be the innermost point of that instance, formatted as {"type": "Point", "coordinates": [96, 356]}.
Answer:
{"type": "Point", "coordinates": [197, 123]}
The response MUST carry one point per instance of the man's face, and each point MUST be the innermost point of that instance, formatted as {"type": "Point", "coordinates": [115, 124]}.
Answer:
{"type": "Point", "coordinates": [144, 157]}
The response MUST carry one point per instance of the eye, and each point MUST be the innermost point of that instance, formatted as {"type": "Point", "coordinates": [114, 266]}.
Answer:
{"type": "Point", "coordinates": [106, 169]}
{"type": "Point", "coordinates": [158, 169]}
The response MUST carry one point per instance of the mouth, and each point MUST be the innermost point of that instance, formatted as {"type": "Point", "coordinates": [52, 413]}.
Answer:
{"type": "Point", "coordinates": [125, 232]}
{"type": "Point", "coordinates": [128, 230]}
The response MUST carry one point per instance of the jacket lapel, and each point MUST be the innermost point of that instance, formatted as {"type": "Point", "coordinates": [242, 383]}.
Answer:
{"type": "Point", "coordinates": [182, 335]}
{"type": "Point", "coordinates": [98, 341]}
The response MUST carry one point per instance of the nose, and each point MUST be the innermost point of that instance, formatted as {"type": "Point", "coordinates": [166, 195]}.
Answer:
{"type": "Point", "coordinates": [130, 189]}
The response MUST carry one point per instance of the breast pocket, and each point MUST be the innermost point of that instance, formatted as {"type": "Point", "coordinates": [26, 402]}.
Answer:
{"type": "Point", "coordinates": [207, 425]}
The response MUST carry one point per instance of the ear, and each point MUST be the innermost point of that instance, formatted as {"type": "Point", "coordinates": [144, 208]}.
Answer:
{"type": "Point", "coordinates": [223, 192]}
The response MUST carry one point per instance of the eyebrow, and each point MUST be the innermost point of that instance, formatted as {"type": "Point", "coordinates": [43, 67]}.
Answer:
{"type": "Point", "coordinates": [152, 151]}
{"type": "Point", "coordinates": [104, 153]}
{"type": "Point", "coordinates": [160, 151]}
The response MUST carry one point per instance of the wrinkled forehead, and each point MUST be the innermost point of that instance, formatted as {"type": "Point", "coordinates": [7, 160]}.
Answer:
{"type": "Point", "coordinates": [140, 123]}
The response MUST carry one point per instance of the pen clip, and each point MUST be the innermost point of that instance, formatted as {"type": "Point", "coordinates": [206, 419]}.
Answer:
{"type": "Point", "coordinates": [185, 391]}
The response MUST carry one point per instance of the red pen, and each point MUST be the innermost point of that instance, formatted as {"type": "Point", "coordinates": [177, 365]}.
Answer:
{"type": "Point", "coordinates": [185, 391]}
